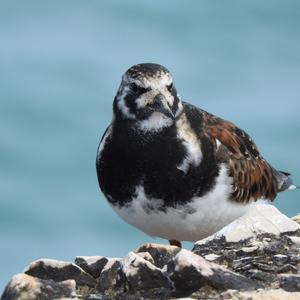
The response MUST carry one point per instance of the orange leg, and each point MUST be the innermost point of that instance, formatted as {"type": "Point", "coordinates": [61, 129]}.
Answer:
{"type": "Point", "coordinates": [175, 243]}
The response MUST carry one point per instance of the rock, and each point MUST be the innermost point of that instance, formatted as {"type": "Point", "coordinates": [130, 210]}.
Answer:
{"type": "Point", "coordinates": [145, 278]}
{"type": "Point", "coordinates": [249, 249]}
{"type": "Point", "coordinates": [261, 219]}
{"type": "Point", "coordinates": [261, 276]}
{"type": "Point", "coordinates": [147, 256]}
{"type": "Point", "coordinates": [296, 218]}
{"type": "Point", "coordinates": [211, 257]}
{"type": "Point", "coordinates": [161, 254]}
{"type": "Point", "coordinates": [280, 258]}
{"type": "Point", "coordinates": [290, 283]}
{"type": "Point", "coordinates": [93, 265]}
{"type": "Point", "coordinates": [23, 287]}
{"type": "Point", "coordinates": [272, 256]}
{"type": "Point", "coordinates": [266, 253]}
{"type": "Point", "coordinates": [190, 272]}
{"type": "Point", "coordinates": [96, 297]}
{"type": "Point", "coordinates": [277, 294]}
{"type": "Point", "coordinates": [112, 280]}
{"type": "Point", "coordinates": [295, 239]}
{"type": "Point", "coordinates": [58, 271]}
{"type": "Point", "coordinates": [258, 251]}
{"type": "Point", "coordinates": [287, 268]}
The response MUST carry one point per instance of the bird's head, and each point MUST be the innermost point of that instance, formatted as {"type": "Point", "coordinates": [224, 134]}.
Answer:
{"type": "Point", "coordinates": [148, 97]}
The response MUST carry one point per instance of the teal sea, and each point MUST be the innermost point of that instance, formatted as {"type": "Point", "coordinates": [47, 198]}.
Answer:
{"type": "Point", "coordinates": [60, 65]}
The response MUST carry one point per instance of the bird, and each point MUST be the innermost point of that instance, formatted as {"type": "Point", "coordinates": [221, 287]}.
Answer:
{"type": "Point", "coordinates": [174, 170]}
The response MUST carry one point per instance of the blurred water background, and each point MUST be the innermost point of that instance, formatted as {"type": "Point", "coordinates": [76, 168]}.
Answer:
{"type": "Point", "coordinates": [60, 65]}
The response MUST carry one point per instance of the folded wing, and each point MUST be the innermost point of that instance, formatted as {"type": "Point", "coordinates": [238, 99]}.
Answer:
{"type": "Point", "coordinates": [253, 177]}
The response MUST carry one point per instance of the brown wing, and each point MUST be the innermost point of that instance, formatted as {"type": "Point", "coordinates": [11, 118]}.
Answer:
{"type": "Point", "coordinates": [253, 177]}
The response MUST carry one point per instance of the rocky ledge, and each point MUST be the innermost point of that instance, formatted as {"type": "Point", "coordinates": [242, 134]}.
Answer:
{"type": "Point", "coordinates": [255, 257]}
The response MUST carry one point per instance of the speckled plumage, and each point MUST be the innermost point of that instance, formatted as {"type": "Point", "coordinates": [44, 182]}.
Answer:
{"type": "Point", "coordinates": [174, 170]}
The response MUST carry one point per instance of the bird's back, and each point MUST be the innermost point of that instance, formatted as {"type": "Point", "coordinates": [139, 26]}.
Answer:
{"type": "Point", "coordinates": [253, 177]}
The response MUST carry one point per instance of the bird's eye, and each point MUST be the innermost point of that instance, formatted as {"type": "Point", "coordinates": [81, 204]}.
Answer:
{"type": "Point", "coordinates": [137, 89]}
{"type": "Point", "coordinates": [170, 86]}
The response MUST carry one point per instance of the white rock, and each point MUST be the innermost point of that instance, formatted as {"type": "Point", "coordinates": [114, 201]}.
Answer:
{"type": "Point", "coordinates": [146, 256]}
{"type": "Point", "coordinates": [249, 249]}
{"type": "Point", "coordinates": [186, 258]}
{"type": "Point", "coordinates": [295, 239]}
{"type": "Point", "coordinates": [278, 294]}
{"type": "Point", "coordinates": [280, 256]}
{"type": "Point", "coordinates": [132, 264]}
{"type": "Point", "coordinates": [261, 219]}
{"type": "Point", "coordinates": [211, 257]}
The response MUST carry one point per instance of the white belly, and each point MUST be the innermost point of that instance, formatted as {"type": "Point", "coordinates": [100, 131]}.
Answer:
{"type": "Point", "coordinates": [198, 219]}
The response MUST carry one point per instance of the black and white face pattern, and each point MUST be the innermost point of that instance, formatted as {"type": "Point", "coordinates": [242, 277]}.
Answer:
{"type": "Point", "coordinates": [148, 97]}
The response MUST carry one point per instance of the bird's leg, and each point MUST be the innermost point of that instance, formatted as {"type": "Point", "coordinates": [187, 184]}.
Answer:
{"type": "Point", "coordinates": [175, 243]}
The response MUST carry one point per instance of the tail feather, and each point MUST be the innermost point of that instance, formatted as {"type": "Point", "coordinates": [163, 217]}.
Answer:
{"type": "Point", "coordinates": [285, 182]}
{"type": "Point", "coordinates": [285, 173]}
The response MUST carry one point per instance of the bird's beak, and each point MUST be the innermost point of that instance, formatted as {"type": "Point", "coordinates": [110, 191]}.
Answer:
{"type": "Point", "coordinates": [167, 112]}
{"type": "Point", "coordinates": [161, 105]}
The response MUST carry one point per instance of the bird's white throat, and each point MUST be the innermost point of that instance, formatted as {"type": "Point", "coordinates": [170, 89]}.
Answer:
{"type": "Point", "coordinates": [156, 122]}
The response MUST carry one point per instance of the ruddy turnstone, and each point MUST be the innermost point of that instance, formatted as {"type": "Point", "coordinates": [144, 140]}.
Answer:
{"type": "Point", "coordinates": [174, 170]}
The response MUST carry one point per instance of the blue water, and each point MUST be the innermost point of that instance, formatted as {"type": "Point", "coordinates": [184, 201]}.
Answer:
{"type": "Point", "coordinates": [60, 65]}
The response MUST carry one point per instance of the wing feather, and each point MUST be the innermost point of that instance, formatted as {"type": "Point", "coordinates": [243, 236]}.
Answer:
{"type": "Point", "coordinates": [253, 177]}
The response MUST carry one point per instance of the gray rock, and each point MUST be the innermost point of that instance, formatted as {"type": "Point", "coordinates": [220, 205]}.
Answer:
{"type": "Point", "coordinates": [58, 271]}
{"type": "Point", "coordinates": [93, 265]}
{"type": "Point", "coordinates": [271, 246]}
{"type": "Point", "coordinates": [146, 279]}
{"type": "Point", "coordinates": [190, 272]}
{"type": "Point", "coordinates": [261, 276]}
{"type": "Point", "coordinates": [273, 256]}
{"type": "Point", "coordinates": [287, 268]}
{"type": "Point", "coordinates": [23, 287]}
{"type": "Point", "coordinates": [290, 283]}
{"type": "Point", "coordinates": [112, 280]}
{"type": "Point", "coordinates": [161, 254]}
